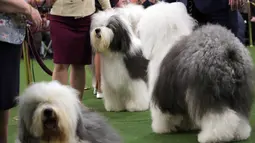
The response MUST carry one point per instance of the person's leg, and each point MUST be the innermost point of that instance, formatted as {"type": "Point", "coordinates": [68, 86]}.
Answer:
{"type": "Point", "coordinates": [4, 116]}
{"type": "Point", "coordinates": [77, 78]}
{"type": "Point", "coordinates": [98, 75]}
{"type": "Point", "coordinates": [60, 73]}
{"type": "Point", "coordinates": [86, 87]}
{"type": "Point", "coordinates": [93, 74]}
{"type": "Point", "coordinates": [9, 83]}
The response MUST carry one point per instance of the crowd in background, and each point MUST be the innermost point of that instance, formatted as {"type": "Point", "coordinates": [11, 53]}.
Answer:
{"type": "Point", "coordinates": [71, 24]}
{"type": "Point", "coordinates": [43, 44]}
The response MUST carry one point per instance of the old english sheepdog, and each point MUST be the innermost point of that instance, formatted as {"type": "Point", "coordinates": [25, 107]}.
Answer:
{"type": "Point", "coordinates": [52, 113]}
{"type": "Point", "coordinates": [123, 67]}
{"type": "Point", "coordinates": [198, 78]}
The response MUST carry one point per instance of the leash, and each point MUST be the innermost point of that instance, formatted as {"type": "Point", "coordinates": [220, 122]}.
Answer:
{"type": "Point", "coordinates": [32, 47]}
{"type": "Point", "coordinates": [29, 44]}
{"type": "Point", "coordinates": [249, 22]}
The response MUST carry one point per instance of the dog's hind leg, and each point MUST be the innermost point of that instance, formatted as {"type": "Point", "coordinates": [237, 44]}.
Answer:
{"type": "Point", "coordinates": [243, 130]}
{"type": "Point", "coordinates": [222, 127]}
{"type": "Point", "coordinates": [163, 122]}
{"type": "Point", "coordinates": [112, 101]}
{"type": "Point", "coordinates": [138, 98]}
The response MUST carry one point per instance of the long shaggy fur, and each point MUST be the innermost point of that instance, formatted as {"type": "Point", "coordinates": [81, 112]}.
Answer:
{"type": "Point", "coordinates": [69, 121]}
{"type": "Point", "coordinates": [123, 67]}
{"type": "Point", "coordinates": [197, 80]}
{"type": "Point", "coordinates": [131, 12]}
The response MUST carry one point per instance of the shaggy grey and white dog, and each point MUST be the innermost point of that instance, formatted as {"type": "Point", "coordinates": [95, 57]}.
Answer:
{"type": "Point", "coordinates": [199, 79]}
{"type": "Point", "coordinates": [52, 113]}
{"type": "Point", "coordinates": [123, 67]}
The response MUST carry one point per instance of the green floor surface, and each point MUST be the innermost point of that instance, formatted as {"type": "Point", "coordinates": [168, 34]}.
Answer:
{"type": "Point", "coordinates": [133, 127]}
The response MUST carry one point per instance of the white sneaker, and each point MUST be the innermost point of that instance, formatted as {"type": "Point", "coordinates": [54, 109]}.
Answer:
{"type": "Point", "coordinates": [94, 91]}
{"type": "Point", "coordinates": [99, 95]}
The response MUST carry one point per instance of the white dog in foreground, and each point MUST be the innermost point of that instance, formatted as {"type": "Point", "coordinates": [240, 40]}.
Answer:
{"type": "Point", "coordinates": [123, 67]}
{"type": "Point", "coordinates": [52, 113]}
{"type": "Point", "coordinates": [199, 79]}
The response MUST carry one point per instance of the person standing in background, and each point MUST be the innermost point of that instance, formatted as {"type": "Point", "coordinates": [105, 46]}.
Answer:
{"type": "Point", "coordinates": [13, 16]}
{"type": "Point", "coordinates": [223, 12]}
{"type": "Point", "coordinates": [70, 33]}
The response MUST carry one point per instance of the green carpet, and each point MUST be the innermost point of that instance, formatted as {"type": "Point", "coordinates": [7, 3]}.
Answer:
{"type": "Point", "coordinates": [133, 127]}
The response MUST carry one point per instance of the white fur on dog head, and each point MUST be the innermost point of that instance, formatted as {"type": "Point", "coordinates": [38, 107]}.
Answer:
{"type": "Point", "coordinates": [115, 36]}
{"type": "Point", "coordinates": [133, 13]}
{"type": "Point", "coordinates": [99, 21]}
{"type": "Point", "coordinates": [162, 25]}
{"type": "Point", "coordinates": [61, 99]}
{"type": "Point", "coordinates": [129, 15]}
{"type": "Point", "coordinates": [101, 42]}
{"type": "Point", "coordinates": [100, 18]}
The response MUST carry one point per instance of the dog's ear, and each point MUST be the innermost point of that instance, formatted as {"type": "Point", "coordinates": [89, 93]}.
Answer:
{"type": "Point", "coordinates": [24, 135]}
{"type": "Point", "coordinates": [122, 37]}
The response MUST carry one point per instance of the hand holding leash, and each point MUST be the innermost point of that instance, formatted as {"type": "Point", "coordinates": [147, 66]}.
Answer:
{"type": "Point", "coordinates": [43, 6]}
{"type": "Point", "coordinates": [34, 18]}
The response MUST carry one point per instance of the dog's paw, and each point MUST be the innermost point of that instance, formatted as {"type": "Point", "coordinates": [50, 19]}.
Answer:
{"type": "Point", "coordinates": [110, 108]}
{"type": "Point", "coordinates": [132, 106]}
{"type": "Point", "coordinates": [158, 129]}
{"type": "Point", "coordinates": [208, 137]}
{"type": "Point", "coordinates": [204, 137]}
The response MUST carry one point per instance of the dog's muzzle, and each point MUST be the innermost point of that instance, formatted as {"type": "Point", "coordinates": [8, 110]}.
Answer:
{"type": "Point", "coordinates": [49, 119]}
{"type": "Point", "coordinates": [98, 32]}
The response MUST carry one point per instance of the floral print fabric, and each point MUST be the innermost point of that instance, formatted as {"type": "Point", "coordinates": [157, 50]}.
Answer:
{"type": "Point", "coordinates": [12, 28]}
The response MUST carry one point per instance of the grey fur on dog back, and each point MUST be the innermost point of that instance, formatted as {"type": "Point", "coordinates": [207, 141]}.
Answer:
{"type": "Point", "coordinates": [208, 71]}
{"type": "Point", "coordinates": [94, 128]}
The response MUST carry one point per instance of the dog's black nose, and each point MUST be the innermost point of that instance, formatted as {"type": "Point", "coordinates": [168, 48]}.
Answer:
{"type": "Point", "coordinates": [98, 30]}
{"type": "Point", "coordinates": [48, 112]}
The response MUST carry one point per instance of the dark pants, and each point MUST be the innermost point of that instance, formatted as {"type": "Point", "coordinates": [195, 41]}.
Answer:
{"type": "Point", "coordinates": [9, 74]}
{"type": "Point", "coordinates": [232, 20]}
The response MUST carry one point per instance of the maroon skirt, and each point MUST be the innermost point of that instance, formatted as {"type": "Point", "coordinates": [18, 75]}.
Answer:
{"type": "Point", "coordinates": [71, 40]}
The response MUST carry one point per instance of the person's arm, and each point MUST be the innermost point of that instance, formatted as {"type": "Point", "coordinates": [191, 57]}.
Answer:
{"type": "Point", "coordinates": [15, 6]}
{"type": "Point", "coordinates": [105, 4]}
{"type": "Point", "coordinates": [22, 7]}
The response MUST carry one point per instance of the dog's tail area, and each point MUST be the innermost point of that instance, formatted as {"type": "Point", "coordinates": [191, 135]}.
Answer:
{"type": "Point", "coordinates": [222, 76]}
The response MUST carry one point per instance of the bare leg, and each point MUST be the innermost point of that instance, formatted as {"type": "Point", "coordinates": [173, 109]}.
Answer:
{"type": "Point", "coordinates": [92, 67]}
{"type": "Point", "coordinates": [93, 75]}
{"type": "Point", "coordinates": [4, 116]}
{"type": "Point", "coordinates": [98, 72]}
{"type": "Point", "coordinates": [77, 78]}
{"type": "Point", "coordinates": [86, 87]}
{"type": "Point", "coordinates": [98, 75]}
{"type": "Point", "coordinates": [60, 73]}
